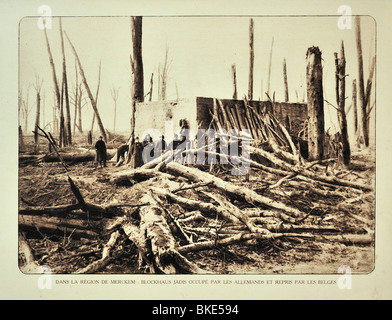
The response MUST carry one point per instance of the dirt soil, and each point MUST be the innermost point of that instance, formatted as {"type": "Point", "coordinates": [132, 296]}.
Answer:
{"type": "Point", "coordinates": [45, 184]}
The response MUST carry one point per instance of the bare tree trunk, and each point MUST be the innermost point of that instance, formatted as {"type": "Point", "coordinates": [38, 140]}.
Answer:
{"type": "Point", "coordinates": [21, 142]}
{"type": "Point", "coordinates": [55, 124]}
{"type": "Point", "coordinates": [67, 108]}
{"type": "Point", "coordinates": [93, 101]}
{"type": "Point", "coordinates": [152, 85]}
{"type": "Point", "coordinates": [62, 127]}
{"type": "Point", "coordinates": [25, 109]}
{"type": "Point", "coordinates": [368, 93]}
{"type": "Point", "coordinates": [96, 97]}
{"type": "Point", "coordinates": [234, 74]}
{"type": "Point", "coordinates": [354, 101]}
{"type": "Point", "coordinates": [89, 137]}
{"type": "Point", "coordinates": [131, 140]}
{"type": "Point", "coordinates": [80, 109]}
{"type": "Point", "coordinates": [75, 113]}
{"type": "Point", "coordinates": [361, 86]}
{"type": "Point", "coordinates": [314, 76]}
{"type": "Point", "coordinates": [164, 76]}
{"type": "Point", "coordinates": [76, 97]}
{"type": "Point", "coordinates": [78, 102]}
{"type": "Point", "coordinates": [251, 59]}
{"type": "Point", "coordinates": [138, 78]}
{"type": "Point", "coordinates": [269, 69]}
{"type": "Point", "coordinates": [286, 86]}
{"type": "Point", "coordinates": [38, 87]}
{"type": "Point", "coordinates": [26, 122]}
{"type": "Point", "coordinates": [136, 23]}
{"type": "Point", "coordinates": [56, 85]}
{"type": "Point", "coordinates": [36, 142]}
{"type": "Point", "coordinates": [92, 124]}
{"type": "Point", "coordinates": [159, 83]}
{"type": "Point", "coordinates": [341, 75]}
{"type": "Point", "coordinates": [43, 110]}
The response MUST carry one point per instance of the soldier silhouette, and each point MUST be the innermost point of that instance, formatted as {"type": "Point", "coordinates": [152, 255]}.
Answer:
{"type": "Point", "coordinates": [100, 148]}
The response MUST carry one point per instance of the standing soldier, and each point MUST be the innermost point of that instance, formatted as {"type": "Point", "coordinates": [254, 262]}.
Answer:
{"type": "Point", "coordinates": [160, 146]}
{"type": "Point", "coordinates": [100, 148]}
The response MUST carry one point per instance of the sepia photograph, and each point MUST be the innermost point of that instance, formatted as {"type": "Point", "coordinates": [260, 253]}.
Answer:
{"type": "Point", "coordinates": [208, 145]}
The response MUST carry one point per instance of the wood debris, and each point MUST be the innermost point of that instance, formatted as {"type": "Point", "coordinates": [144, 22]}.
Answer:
{"type": "Point", "coordinates": [169, 213]}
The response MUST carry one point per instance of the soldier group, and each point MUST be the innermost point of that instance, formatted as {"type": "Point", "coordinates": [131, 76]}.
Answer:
{"type": "Point", "coordinates": [155, 149]}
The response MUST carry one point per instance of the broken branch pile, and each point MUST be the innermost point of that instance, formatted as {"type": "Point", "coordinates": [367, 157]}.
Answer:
{"type": "Point", "coordinates": [172, 212]}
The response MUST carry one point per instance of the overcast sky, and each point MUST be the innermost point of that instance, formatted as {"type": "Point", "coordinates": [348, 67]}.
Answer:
{"type": "Point", "coordinates": [201, 52]}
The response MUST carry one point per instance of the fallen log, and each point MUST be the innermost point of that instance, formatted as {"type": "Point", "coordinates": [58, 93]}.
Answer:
{"type": "Point", "coordinates": [88, 208]}
{"type": "Point", "coordinates": [25, 159]}
{"type": "Point", "coordinates": [318, 177]}
{"type": "Point", "coordinates": [236, 212]}
{"type": "Point", "coordinates": [78, 228]}
{"type": "Point", "coordinates": [133, 233]}
{"type": "Point", "coordinates": [208, 245]}
{"type": "Point", "coordinates": [161, 243]}
{"type": "Point", "coordinates": [289, 176]}
{"type": "Point", "coordinates": [248, 195]}
{"type": "Point", "coordinates": [244, 237]}
{"type": "Point", "coordinates": [81, 155]}
{"type": "Point", "coordinates": [348, 239]}
{"type": "Point", "coordinates": [95, 211]}
{"type": "Point", "coordinates": [62, 222]}
{"type": "Point", "coordinates": [307, 188]}
{"type": "Point", "coordinates": [193, 216]}
{"type": "Point", "coordinates": [184, 264]}
{"type": "Point", "coordinates": [165, 157]}
{"type": "Point", "coordinates": [106, 255]}
{"type": "Point", "coordinates": [286, 228]}
{"type": "Point", "coordinates": [195, 204]}
{"type": "Point", "coordinates": [175, 227]}
{"type": "Point", "coordinates": [211, 231]}
{"type": "Point", "coordinates": [55, 210]}
{"type": "Point", "coordinates": [132, 176]}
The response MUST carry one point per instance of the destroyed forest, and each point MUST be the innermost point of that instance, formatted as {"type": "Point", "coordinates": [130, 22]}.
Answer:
{"type": "Point", "coordinates": [237, 184]}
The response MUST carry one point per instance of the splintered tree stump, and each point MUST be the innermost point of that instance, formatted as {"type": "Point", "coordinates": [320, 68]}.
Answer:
{"type": "Point", "coordinates": [341, 98]}
{"type": "Point", "coordinates": [314, 81]}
